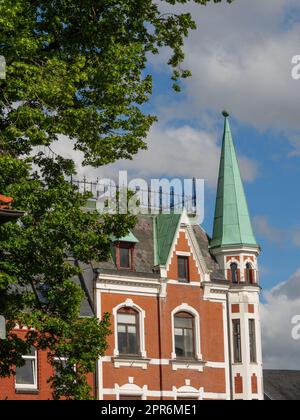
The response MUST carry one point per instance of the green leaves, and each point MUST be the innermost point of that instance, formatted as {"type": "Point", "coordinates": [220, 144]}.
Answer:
{"type": "Point", "coordinates": [79, 69]}
{"type": "Point", "coordinates": [38, 269]}
{"type": "Point", "coordinates": [75, 68]}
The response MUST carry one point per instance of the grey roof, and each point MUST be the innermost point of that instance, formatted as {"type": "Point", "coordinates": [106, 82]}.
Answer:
{"type": "Point", "coordinates": [144, 262]}
{"type": "Point", "coordinates": [204, 241]}
{"type": "Point", "coordinates": [86, 281]}
{"type": "Point", "coordinates": [145, 251]}
{"type": "Point", "coordinates": [282, 385]}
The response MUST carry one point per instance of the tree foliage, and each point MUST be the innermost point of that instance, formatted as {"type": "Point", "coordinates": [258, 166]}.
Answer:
{"type": "Point", "coordinates": [76, 68]}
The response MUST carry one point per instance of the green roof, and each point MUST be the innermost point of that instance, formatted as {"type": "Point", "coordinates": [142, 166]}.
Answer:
{"type": "Point", "coordinates": [164, 231]}
{"type": "Point", "coordinates": [129, 238]}
{"type": "Point", "coordinates": [232, 224]}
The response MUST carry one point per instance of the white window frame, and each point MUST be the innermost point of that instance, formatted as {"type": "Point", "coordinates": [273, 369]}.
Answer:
{"type": "Point", "coordinates": [64, 359]}
{"type": "Point", "coordinates": [186, 308]}
{"type": "Point", "coordinates": [29, 387]}
{"type": "Point", "coordinates": [254, 268]}
{"type": "Point", "coordinates": [141, 315]}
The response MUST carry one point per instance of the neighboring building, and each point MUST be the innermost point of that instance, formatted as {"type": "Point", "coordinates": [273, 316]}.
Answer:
{"type": "Point", "coordinates": [282, 385]}
{"type": "Point", "coordinates": [6, 213]}
{"type": "Point", "coordinates": [31, 380]}
{"type": "Point", "coordinates": [184, 307]}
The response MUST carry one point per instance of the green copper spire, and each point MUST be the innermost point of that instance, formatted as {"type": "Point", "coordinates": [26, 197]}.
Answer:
{"type": "Point", "coordinates": [232, 225]}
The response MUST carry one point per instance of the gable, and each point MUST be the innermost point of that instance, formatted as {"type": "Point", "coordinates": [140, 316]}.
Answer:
{"type": "Point", "coordinates": [183, 247]}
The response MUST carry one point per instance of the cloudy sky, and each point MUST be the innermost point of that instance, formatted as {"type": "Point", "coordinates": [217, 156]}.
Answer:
{"type": "Point", "coordinates": [240, 57]}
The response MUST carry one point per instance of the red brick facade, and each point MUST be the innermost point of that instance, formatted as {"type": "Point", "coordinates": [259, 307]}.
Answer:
{"type": "Point", "coordinates": [43, 391]}
{"type": "Point", "coordinates": [160, 376]}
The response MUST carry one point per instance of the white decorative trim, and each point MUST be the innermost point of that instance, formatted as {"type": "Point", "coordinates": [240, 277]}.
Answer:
{"type": "Point", "coordinates": [130, 389]}
{"type": "Point", "coordinates": [185, 227]}
{"type": "Point", "coordinates": [183, 254]}
{"type": "Point", "coordinates": [192, 254]}
{"type": "Point", "coordinates": [233, 260]}
{"type": "Point", "coordinates": [161, 394]}
{"type": "Point", "coordinates": [200, 260]}
{"type": "Point", "coordinates": [215, 292]}
{"type": "Point", "coordinates": [174, 243]}
{"type": "Point", "coordinates": [128, 285]}
{"type": "Point", "coordinates": [135, 363]}
{"type": "Point", "coordinates": [162, 362]}
{"type": "Point", "coordinates": [186, 365]}
{"type": "Point", "coordinates": [231, 250]}
{"type": "Point", "coordinates": [253, 267]}
{"type": "Point", "coordinates": [178, 283]}
{"type": "Point", "coordinates": [142, 315]}
{"type": "Point", "coordinates": [186, 308]}
{"type": "Point", "coordinates": [188, 391]}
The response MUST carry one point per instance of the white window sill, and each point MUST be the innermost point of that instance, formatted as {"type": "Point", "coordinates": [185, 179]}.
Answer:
{"type": "Point", "coordinates": [26, 390]}
{"type": "Point", "coordinates": [181, 364]}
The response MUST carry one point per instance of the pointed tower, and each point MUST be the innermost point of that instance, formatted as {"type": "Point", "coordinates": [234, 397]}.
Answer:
{"type": "Point", "coordinates": [232, 225]}
{"type": "Point", "coordinates": [236, 250]}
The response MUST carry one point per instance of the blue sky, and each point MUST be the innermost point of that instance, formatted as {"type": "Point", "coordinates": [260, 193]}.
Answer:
{"type": "Point", "coordinates": [272, 195]}
{"type": "Point", "coordinates": [240, 57]}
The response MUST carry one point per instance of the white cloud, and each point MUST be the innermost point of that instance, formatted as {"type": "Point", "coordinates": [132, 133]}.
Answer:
{"type": "Point", "coordinates": [281, 351]}
{"type": "Point", "coordinates": [183, 152]}
{"type": "Point", "coordinates": [240, 57]}
{"type": "Point", "coordinates": [263, 228]}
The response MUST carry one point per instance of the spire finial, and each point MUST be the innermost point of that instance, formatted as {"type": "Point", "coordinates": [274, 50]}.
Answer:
{"type": "Point", "coordinates": [225, 113]}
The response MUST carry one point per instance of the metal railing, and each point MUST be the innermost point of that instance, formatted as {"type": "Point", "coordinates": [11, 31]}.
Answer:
{"type": "Point", "coordinates": [154, 200]}
{"type": "Point", "coordinates": [151, 199]}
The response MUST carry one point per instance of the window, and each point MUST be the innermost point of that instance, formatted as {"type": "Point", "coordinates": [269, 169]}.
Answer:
{"type": "Point", "coordinates": [61, 365]}
{"type": "Point", "coordinates": [184, 336]}
{"type": "Point", "coordinates": [252, 337]}
{"type": "Point", "coordinates": [237, 345]}
{"type": "Point", "coordinates": [130, 398]}
{"type": "Point", "coordinates": [128, 332]}
{"type": "Point", "coordinates": [183, 269]}
{"type": "Point", "coordinates": [124, 256]}
{"type": "Point", "coordinates": [234, 273]}
{"type": "Point", "coordinates": [250, 274]}
{"type": "Point", "coordinates": [26, 376]}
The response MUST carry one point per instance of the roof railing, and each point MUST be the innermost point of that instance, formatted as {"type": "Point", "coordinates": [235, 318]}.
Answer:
{"type": "Point", "coordinates": [153, 200]}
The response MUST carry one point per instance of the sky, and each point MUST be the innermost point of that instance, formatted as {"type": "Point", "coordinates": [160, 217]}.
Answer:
{"type": "Point", "coordinates": [241, 60]}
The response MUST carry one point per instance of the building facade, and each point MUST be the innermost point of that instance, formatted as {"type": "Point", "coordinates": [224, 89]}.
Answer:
{"type": "Point", "coordinates": [184, 307]}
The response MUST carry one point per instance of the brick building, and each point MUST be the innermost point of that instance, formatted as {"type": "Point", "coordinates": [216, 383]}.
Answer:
{"type": "Point", "coordinates": [184, 307]}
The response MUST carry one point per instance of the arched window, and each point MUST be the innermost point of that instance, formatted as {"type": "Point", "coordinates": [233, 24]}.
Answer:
{"type": "Point", "coordinates": [234, 273]}
{"type": "Point", "coordinates": [128, 332]}
{"type": "Point", "coordinates": [250, 278]}
{"type": "Point", "coordinates": [184, 324]}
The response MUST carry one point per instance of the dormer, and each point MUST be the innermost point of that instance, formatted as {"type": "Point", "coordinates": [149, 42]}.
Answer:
{"type": "Point", "coordinates": [124, 252]}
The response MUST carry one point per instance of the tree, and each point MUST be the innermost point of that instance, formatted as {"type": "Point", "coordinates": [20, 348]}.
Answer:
{"type": "Point", "coordinates": [76, 68]}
